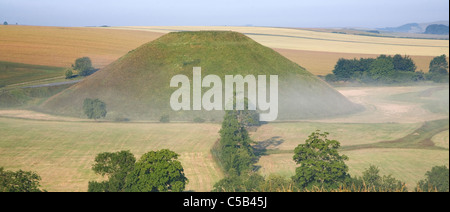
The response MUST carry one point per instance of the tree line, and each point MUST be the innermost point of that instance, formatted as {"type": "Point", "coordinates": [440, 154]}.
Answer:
{"type": "Point", "coordinates": [388, 70]}
{"type": "Point", "coordinates": [320, 167]}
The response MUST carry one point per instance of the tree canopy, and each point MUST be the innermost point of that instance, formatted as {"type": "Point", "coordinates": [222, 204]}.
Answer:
{"type": "Point", "coordinates": [319, 163]}
{"type": "Point", "coordinates": [116, 166]}
{"type": "Point", "coordinates": [94, 108]}
{"type": "Point", "coordinates": [19, 181]}
{"type": "Point", "coordinates": [84, 66]}
{"type": "Point", "coordinates": [235, 153]}
{"type": "Point", "coordinates": [158, 171]}
{"type": "Point", "coordinates": [436, 180]}
{"type": "Point", "coordinates": [383, 69]}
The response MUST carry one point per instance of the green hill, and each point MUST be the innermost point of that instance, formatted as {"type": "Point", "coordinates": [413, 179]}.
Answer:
{"type": "Point", "coordinates": [136, 86]}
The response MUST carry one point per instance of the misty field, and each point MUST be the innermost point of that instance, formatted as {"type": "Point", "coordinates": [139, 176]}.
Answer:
{"type": "Point", "coordinates": [62, 152]}
{"type": "Point", "coordinates": [62, 149]}
{"type": "Point", "coordinates": [391, 133]}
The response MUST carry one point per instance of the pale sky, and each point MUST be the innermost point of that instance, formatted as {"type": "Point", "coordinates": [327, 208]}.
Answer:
{"type": "Point", "coordinates": [282, 13]}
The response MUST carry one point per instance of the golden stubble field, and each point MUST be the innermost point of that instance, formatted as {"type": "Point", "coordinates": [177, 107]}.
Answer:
{"type": "Point", "coordinates": [317, 51]}
{"type": "Point", "coordinates": [60, 46]}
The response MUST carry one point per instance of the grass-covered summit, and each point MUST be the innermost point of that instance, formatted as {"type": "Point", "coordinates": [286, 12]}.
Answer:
{"type": "Point", "coordinates": [137, 86]}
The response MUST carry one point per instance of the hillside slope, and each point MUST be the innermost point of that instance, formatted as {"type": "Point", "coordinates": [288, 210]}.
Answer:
{"type": "Point", "coordinates": [136, 86]}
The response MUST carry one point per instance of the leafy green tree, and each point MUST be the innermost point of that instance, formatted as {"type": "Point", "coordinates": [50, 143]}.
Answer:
{"type": "Point", "coordinates": [345, 69]}
{"type": "Point", "coordinates": [250, 182]}
{"type": "Point", "coordinates": [94, 108]}
{"type": "Point", "coordinates": [403, 63]}
{"type": "Point", "coordinates": [439, 65]}
{"type": "Point", "coordinates": [69, 73]}
{"type": "Point", "coordinates": [235, 153]}
{"type": "Point", "coordinates": [319, 163]}
{"type": "Point", "coordinates": [84, 66]}
{"type": "Point", "coordinates": [116, 166]}
{"type": "Point", "coordinates": [19, 181]}
{"type": "Point", "coordinates": [277, 183]}
{"type": "Point", "coordinates": [158, 171]}
{"type": "Point", "coordinates": [372, 181]}
{"type": "Point", "coordinates": [331, 78]}
{"type": "Point", "coordinates": [5, 23]}
{"type": "Point", "coordinates": [436, 180]}
{"type": "Point", "coordinates": [381, 69]}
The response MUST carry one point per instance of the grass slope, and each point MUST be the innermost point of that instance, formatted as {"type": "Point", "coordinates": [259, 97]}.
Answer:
{"type": "Point", "coordinates": [13, 73]}
{"type": "Point", "coordinates": [136, 86]}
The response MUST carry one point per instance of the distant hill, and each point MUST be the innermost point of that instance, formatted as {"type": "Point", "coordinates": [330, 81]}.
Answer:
{"type": "Point", "coordinates": [437, 29]}
{"type": "Point", "coordinates": [414, 27]}
{"type": "Point", "coordinates": [136, 86]}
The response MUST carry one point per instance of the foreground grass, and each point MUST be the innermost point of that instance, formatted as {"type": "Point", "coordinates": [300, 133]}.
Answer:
{"type": "Point", "coordinates": [62, 152]}
{"type": "Point", "coordinates": [407, 158]}
{"type": "Point", "coordinates": [408, 165]}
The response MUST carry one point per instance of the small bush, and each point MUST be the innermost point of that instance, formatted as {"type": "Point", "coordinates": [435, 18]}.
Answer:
{"type": "Point", "coordinates": [164, 119]}
{"type": "Point", "coordinates": [199, 120]}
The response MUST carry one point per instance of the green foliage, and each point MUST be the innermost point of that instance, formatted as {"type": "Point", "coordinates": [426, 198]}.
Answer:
{"type": "Point", "coordinates": [319, 163]}
{"type": "Point", "coordinates": [94, 108]}
{"type": "Point", "coordinates": [436, 180]}
{"type": "Point", "coordinates": [384, 69]}
{"type": "Point", "coordinates": [157, 172]}
{"type": "Point", "coordinates": [84, 66]}
{"type": "Point", "coordinates": [403, 63]}
{"type": "Point", "coordinates": [438, 69]}
{"type": "Point", "coordinates": [245, 183]}
{"type": "Point", "coordinates": [331, 78]}
{"type": "Point", "coordinates": [439, 65]}
{"type": "Point", "coordinates": [164, 119]}
{"type": "Point", "coordinates": [373, 182]}
{"type": "Point", "coordinates": [276, 183]}
{"type": "Point", "coordinates": [5, 23]}
{"type": "Point", "coordinates": [19, 181]}
{"type": "Point", "coordinates": [69, 73]}
{"type": "Point", "coordinates": [116, 166]}
{"type": "Point", "coordinates": [235, 153]}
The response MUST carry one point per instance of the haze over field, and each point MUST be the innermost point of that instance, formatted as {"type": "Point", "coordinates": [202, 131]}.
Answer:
{"type": "Point", "coordinates": [80, 79]}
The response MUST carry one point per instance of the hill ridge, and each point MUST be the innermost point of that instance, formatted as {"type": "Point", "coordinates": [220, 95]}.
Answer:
{"type": "Point", "coordinates": [136, 86]}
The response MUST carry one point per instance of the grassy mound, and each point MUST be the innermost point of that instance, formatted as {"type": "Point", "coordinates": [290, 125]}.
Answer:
{"type": "Point", "coordinates": [137, 86]}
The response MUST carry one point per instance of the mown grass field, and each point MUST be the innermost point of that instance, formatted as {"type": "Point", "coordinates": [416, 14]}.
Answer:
{"type": "Point", "coordinates": [408, 165]}
{"type": "Point", "coordinates": [402, 140]}
{"type": "Point", "coordinates": [62, 152]}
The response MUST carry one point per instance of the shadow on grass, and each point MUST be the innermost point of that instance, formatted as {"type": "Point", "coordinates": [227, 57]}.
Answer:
{"type": "Point", "coordinates": [419, 139]}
